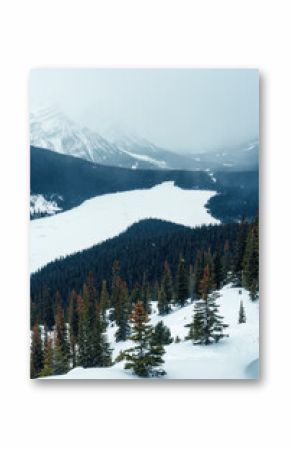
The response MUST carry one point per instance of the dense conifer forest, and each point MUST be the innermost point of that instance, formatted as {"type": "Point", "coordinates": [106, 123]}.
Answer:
{"type": "Point", "coordinates": [75, 299]}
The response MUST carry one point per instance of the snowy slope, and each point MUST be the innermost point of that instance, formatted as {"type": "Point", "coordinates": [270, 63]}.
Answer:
{"type": "Point", "coordinates": [235, 357]}
{"type": "Point", "coordinates": [107, 216]}
{"type": "Point", "coordinates": [41, 205]}
{"type": "Point", "coordinates": [51, 129]}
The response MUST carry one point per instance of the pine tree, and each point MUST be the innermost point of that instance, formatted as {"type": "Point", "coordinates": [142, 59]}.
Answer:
{"type": "Point", "coordinates": [240, 250]}
{"type": "Point", "coordinates": [73, 320]}
{"type": "Point", "coordinates": [167, 284]}
{"type": "Point", "coordinates": [104, 299]}
{"type": "Point", "coordinates": [218, 271]}
{"type": "Point", "coordinates": [226, 261]}
{"type": "Point", "coordinates": [145, 294]}
{"type": "Point", "coordinates": [161, 334]}
{"type": "Point", "coordinates": [47, 308]}
{"type": "Point", "coordinates": [163, 306]}
{"type": "Point", "coordinates": [192, 283]}
{"type": "Point", "coordinates": [61, 348]}
{"type": "Point", "coordinates": [145, 357]}
{"type": "Point", "coordinates": [36, 352]}
{"type": "Point", "coordinates": [207, 325]}
{"type": "Point", "coordinates": [48, 368]}
{"type": "Point", "coordinates": [122, 316]}
{"type": "Point", "coordinates": [242, 314]}
{"type": "Point", "coordinates": [95, 351]}
{"type": "Point", "coordinates": [82, 332]}
{"type": "Point", "coordinates": [198, 273]}
{"type": "Point", "coordinates": [182, 282]}
{"type": "Point", "coordinates": [251, 261]}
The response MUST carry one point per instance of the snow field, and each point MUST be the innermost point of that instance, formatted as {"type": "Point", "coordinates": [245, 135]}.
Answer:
{"type": "Point", "coordinates": [106, 216]}
{"type": "Point", "coordinates": [235, 357]}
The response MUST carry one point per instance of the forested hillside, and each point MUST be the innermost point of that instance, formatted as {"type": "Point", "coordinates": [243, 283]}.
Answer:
{"type": "Point", "coordinates": [68, 181]}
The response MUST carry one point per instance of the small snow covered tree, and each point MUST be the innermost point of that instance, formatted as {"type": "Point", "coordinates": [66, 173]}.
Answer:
{"type": "Point", "coordinates": [242, 313]}
{"type": "Point", "coordinates": [161, 334]}
{"type": "Point", "coordinates": [36, 352]}
{"type": "Point", "coordinates": [145, 356]}
{"type": "Point", "coordinates": [207, 326]}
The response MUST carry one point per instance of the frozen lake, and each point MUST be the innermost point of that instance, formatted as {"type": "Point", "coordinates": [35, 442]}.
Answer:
{"type": "Point", "coordinates": [106, 216]}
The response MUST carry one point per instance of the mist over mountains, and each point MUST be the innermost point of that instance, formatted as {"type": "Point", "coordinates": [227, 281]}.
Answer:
{"type": "Point", "coordinates": [53, 130]}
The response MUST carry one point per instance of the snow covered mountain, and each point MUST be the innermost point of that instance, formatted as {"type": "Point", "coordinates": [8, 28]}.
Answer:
{"type": "Point", "coordinates": [51, 129]}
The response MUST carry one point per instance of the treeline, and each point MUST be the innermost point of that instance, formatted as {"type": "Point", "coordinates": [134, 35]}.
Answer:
{"type": "Point", "coordinates": [73, 332]}
{"type": "Point", "coordinates": [143, 248]}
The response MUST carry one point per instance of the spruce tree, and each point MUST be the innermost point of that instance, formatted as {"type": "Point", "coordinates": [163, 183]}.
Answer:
{"type": "Point", "coordinates": [61, 347]}
{"type": "Point", "coordinates": [36, 352]}
{"type": "Point", "coordinates": [122, 317]}
{"type": "Point", "coordinates": [251, 261]}
{"type": "Point", "coordinates": [82, 337]}
{"type": "Point", "coordinates": [167, 284]}
{"type": "Point", "coordinates": [48, 367]}
{"type": "Point", "coordinates": [207, 325]}
{"type": "Point", "coordinates": [145, 294]}
{"type": "Point", "coordinates": [104, 299]}
{"type": "Point", "coordinates": [218, 271]}
{"type": "Point", "coordinates": [95, 349]}
{"type": "Point", "coordinates": [145, 357]}
{"type": "Point", "coordinates": [163, 306]}
{"type": "Point", "coordinates": [161, 334]}
{"type": "Point", "coordinates": [242, 313]}
{"type": "Point", "coordinates": [73, 320]}
{"type": "Point", "coordinates": [182, 282]}
{"type": "Point", "coordinates": [240, 250]}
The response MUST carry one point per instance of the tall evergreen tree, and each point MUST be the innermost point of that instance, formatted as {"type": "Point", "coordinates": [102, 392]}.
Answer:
{"type": "Point", "coordinates": [145, 293]}
{"type": "Point", "coordinates": [251, 261]}
{"type": "Point", "coordinates": [36, 352]}
{"type": "Point", "coordinates": [218, 271]}
{"type": "Point", "coordinates": [123, 314]}
{"type": "Point", "coordinates": [163, 305]}
{"type": "Point", "coordinates": [73, 319]}
{"type": "Point", "coordinates": [145, 357]}
{"type": "Point", "coordinates": [96, 350]}
{"type": "Point", "coordinates": [182, 282]}
{"type": "Point", "coordinates": [61, 348]}
{"type": "Point", "coordinates": [242, 313]}
{"type": "Point", "coordinates": [104, 299]}
{"type": "Point", "coordinates": [48, 367]}
{"type": "Point", "coordinates": [207, 325]}
{"type": "Point", "coordinates": [240, 250]}
{"type": "Point", "coordinates": [167, 283]}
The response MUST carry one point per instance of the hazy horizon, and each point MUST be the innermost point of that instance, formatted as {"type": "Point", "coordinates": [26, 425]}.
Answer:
{"type": "Point", "coordinates": [183, 110]}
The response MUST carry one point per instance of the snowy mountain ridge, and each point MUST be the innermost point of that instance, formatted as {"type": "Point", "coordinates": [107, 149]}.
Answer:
{"type": "Point", "coordinates": [51, 129]}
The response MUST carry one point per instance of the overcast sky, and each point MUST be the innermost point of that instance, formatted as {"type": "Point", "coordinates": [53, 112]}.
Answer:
{"type": "Point", "coordinates": [179, 109]}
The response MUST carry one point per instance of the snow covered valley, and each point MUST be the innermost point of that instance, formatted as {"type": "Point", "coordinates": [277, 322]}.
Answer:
{"type": "Point", "coordinates": [106, 216]}
{"type": "Point", "coordinates": [235, 357]}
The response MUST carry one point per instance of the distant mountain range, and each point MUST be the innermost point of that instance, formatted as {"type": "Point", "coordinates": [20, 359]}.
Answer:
{"type": "Point", "coordinates": [51, 129]}
{"type": "Point", "coordinates": [60, 182]}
